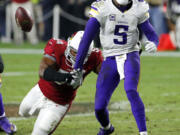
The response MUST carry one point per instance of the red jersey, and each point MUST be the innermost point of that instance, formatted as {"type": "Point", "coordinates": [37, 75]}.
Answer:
{"type": "Point", "coordinates": [64, 94]}
{"type": "Point", "coordinates": [20, 1]}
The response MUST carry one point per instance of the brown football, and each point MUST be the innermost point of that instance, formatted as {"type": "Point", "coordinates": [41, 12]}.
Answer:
{"type": "Point", "coordinates": [23, 19]}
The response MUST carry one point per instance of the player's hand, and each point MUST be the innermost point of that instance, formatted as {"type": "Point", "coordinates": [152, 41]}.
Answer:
{"type": "Point", "coordinates": [150, 47]}
{"type": "Point", "coordinates": [77, 78]}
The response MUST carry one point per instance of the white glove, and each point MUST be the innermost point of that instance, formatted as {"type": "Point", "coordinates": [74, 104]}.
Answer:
{"type": "Point", "coordinates": [77, 76]}
{"type": "Point", "coordinates": [150, 47]}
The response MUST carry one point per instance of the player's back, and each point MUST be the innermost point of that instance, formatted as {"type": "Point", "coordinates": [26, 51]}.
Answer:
{"type": "Point", "coordinates": [119, 33]}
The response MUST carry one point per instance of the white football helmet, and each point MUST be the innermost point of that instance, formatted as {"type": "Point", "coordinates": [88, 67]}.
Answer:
{"type": "Point", "coordinates": [123, 2]}
{"type": "Point", "coordinates": [73, 45]}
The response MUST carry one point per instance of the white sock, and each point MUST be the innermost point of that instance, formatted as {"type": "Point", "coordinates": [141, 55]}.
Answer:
{"type": "Point", "coordinates": [107, 127]}
{"type": "Point", "coordinates": [144, 133]}
{"type": "Point", "coordinates": [3, 115]}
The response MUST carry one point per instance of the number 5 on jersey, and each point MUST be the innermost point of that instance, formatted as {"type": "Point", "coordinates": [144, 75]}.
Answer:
{"type": "Point", "coordinates": [121, 34]}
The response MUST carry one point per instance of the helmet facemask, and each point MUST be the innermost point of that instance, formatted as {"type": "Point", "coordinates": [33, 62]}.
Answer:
{"type": "Point", "coordinates": [72, 48]}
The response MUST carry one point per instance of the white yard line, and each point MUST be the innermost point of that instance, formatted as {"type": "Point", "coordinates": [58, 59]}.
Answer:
{"type": "Point", "coordinates": [162, 54]}
{"type": "Point", "coordinates": [20, 51]}
{"type": "Point", "coordinates": [18, 73]}
{"type": "Point", "coordinates": [111, 112]}
{"type": "Point", "coordinates": [40, 51]}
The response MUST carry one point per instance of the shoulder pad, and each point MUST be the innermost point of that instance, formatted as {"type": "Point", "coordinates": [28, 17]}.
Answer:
{"type": "Point", "coordinates": [59, 41]}
{"type": "Point", "coordinates": [142, 7]}
{"type": "Point", "coordinates": [97, 6]}
{"type": "Point", "coordinates": [98, 3]}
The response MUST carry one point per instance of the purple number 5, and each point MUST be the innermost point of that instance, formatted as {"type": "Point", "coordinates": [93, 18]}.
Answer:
{"type": "Point", "coordinates": [122, 34]}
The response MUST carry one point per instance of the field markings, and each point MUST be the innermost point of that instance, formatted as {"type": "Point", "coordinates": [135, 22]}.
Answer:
{"type": "Point", "coordinates": [126, 109]}
{"type": "Point", "coordinates": [20, 51]}
{"type": "Point", "coordinates": [92, 114]}
{"type": "Point", "coordinates": [18, 73]}
{"type": "Point", "coordinates": [40, 51]}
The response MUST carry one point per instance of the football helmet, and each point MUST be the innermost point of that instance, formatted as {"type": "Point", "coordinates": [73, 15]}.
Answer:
{"type": "Point", "coordinates": [72, 48]}
{"type": "Point", "coordinates": [123, 2]}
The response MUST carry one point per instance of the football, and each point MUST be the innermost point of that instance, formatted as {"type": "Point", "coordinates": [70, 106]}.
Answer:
{"type": "Point", "coordinates": [23, 19]}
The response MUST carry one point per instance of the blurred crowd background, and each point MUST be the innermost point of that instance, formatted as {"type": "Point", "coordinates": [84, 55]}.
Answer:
{"type": "Point", "coordinates": [61, 18]}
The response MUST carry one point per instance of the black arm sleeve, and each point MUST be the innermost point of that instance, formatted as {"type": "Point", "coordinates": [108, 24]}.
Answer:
{"type": "Point", "coordinates": [1, 65]}
{"type": "Point", "coordinates": [51, 74]}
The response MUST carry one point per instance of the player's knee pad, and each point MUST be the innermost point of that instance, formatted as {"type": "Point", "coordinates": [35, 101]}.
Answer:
{"type": "Point", "coordinates": [132, 94]}
{"type": "Point", "coordinates": [46, 123]}
{"type": "Point", "coordinates": [24, 109]}
{"type": "Point", "coordinates": [134, 98]}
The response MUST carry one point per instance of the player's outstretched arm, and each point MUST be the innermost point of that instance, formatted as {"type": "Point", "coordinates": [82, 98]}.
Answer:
{"type": "Point", "coordinates": [92, 27]}
{"type": "Point", "coordinates": [48, 72]}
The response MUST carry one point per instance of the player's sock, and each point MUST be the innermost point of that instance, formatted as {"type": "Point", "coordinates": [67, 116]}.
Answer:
{"type": "Point", "coordinates": [102, 116]}
{"type": "Point", "coordinates": [1, 106]}
{"type": "Point", "coordinates": [138, 109]}
{"type": "Point", "coordinates": [144, 133]}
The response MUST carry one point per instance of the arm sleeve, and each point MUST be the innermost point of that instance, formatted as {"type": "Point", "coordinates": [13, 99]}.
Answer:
{"type": "Point", "coordinates": [1, 65]}
{"type": "Point", "coordinates": [91, 29]}
{"type": "Point", "coordinates": [149, 31]}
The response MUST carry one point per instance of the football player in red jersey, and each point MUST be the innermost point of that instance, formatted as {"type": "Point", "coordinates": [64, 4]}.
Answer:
{"type": "Point", "coordinates": [52, 96]}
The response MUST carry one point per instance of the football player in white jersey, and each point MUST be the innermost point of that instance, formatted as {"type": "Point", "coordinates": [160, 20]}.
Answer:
{"type": "Point", "coordinates": [118, 22]}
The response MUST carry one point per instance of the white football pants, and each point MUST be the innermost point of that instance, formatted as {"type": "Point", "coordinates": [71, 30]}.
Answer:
{"type": "Point", "coordinates": [49, 113]}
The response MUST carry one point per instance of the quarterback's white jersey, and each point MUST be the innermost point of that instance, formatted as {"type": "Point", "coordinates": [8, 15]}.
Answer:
{"type": "Point", "coordinates": [118, 32]}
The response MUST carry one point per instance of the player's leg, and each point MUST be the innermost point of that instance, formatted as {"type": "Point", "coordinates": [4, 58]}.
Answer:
{"type": "Point", "coordinates": [5, 125]}
{"type": "Point", "coordinates": [132, 73]}
{"type": "Point", "coordinates": [107, 81]}
{"type": "Point", "coordinates": [49, 118]}
{"type": "Point", "coordinates": [31, 102]}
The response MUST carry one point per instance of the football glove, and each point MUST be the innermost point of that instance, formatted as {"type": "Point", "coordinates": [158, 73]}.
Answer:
{"type": "Point", "coordinates": [77, 78]}
{"type": "Point", "coordinates": [150, 47]}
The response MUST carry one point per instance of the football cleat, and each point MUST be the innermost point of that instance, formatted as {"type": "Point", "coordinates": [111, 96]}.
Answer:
{"type": "Point", "coordinates": [106, 132]}
{"type": "Point", "coordinates": [6, 126]}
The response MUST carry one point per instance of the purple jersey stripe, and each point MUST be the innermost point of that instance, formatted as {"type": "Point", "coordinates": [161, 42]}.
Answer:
{"type": "Point", "coordinates": [94, 8]}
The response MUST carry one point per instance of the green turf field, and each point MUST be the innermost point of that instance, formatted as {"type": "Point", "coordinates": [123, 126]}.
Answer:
{"type": "Point", "coordinates": [159, 88]}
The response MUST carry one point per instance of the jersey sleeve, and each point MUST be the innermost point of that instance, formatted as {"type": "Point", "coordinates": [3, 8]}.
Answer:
{"type": "Point", "coordinates": [143, 12]}
{"type": "Point", "coordinates": [49, 50]}
{"type": "Point", "coordinates": [96, 10]}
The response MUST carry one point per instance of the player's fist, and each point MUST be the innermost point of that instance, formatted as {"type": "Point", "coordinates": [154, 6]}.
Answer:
{"type": "Point", "coordinates": [77, 78]}
{"type": "Point", "coordinates": [150, 47]}
{"type": "Point", "coordinates": [23, 19]}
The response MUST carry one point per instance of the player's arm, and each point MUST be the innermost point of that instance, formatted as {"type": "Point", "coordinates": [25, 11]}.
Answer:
{"type": "Point", "coordinates": [92, 27]}
{"type": "Point", "coordinates": [97, 69]}
{"type": "Point", "coordinates": [149, 31]}
{"type": "Point", "coordinates": [1, 65]}
{"type": "Point", "coordinates": [99, 59]}
{"type": "Point", "coordinates": [47, 71]}
{"type": "Point", "coordinates": [1, 69]}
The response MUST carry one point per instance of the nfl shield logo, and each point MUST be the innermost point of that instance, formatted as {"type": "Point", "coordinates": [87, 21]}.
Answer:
{"type": "Point", "coordinates": [112, 17]}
